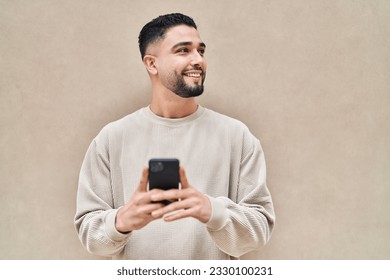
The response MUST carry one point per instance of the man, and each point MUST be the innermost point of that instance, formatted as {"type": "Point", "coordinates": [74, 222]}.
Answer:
{"type": "Point", "coordinates": [223, 209]}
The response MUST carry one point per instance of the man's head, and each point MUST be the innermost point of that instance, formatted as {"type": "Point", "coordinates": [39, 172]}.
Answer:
{"type": "Point", "coordinates": [156, 29]}
{"type": "Point", "coordinates": [172, 52]}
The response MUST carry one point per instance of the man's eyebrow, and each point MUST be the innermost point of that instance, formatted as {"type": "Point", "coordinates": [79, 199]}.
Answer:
{"type": "Point", "coordinates": [180, 44]}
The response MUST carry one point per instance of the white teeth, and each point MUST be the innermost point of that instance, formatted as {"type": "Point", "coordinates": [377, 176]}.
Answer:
{"type": "Point", "coordinates": [195, 75]}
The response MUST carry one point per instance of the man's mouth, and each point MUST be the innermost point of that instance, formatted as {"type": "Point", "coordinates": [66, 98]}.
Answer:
{"type": "Point", "coordinates": [193, 75]}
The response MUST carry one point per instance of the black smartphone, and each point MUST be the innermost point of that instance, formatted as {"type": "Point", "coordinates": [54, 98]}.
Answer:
{"type": "Point", "coordinates": [163, 174]}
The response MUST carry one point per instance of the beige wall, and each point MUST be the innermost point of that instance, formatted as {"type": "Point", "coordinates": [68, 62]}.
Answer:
{"type": "Point", "coordinates": [310, 79]}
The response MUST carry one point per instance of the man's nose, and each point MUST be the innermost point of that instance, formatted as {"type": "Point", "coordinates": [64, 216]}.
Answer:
{"type": "Point", "coordinates": [197, 58]}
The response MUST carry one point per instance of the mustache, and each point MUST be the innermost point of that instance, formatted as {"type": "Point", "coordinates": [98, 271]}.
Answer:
{"type": "Point", "coordinates": [196, 68]}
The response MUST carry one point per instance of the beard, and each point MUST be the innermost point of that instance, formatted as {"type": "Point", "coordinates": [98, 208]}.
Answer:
{"type": "Point", "coordinates": [186, 91]}
{"type": "Point", "coordinates": [178, 85]}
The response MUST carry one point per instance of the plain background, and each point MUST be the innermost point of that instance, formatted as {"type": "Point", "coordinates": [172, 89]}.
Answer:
{"type": "Point", "coordinates": [309, 78]}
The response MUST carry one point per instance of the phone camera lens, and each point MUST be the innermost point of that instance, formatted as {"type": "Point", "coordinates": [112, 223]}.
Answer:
{"type": "Point", "coordinates": [156, 167]}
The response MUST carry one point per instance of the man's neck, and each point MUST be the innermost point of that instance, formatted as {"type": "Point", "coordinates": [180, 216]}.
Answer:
{"type": "Point", "coordinates": [173, 107]}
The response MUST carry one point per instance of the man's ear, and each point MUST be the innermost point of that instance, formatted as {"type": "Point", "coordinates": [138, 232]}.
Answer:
{"type": "Point", "coordinates": [150, 64]}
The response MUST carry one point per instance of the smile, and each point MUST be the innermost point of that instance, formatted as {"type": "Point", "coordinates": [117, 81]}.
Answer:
{"type": "Point", "coordinates": [193, 74]}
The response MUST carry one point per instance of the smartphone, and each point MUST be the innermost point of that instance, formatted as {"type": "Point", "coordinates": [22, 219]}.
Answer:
{"type": "Point", "coordinates": [164, 174]}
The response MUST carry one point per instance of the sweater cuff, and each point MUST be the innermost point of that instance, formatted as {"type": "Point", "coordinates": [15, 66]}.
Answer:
{"type": "Point", "coordinates": [219, 214]}
{"type": "Point", "coordinates": [111, 230]}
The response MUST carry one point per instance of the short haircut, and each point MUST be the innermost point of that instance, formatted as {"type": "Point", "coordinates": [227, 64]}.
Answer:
{"type": "Point", "coordinates": [157, 28]}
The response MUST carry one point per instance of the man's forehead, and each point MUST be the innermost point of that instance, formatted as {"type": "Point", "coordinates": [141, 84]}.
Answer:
{"type": "Point", "coordinates": [174, 36]}
{"type": "Point", "coordinates": [181, 33]}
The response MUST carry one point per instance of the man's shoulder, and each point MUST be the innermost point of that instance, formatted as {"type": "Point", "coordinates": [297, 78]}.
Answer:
{"type": "Point", "coordinates": [125, 120]}
{"type": "Point", "coordinates": [122, 124]}
{"type": "Point", "coordinates": [225, 120]}
{"type": "Point", "coordinates": [230, 127]}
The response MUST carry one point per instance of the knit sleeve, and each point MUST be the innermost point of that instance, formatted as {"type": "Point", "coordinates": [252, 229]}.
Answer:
{"type": "Point", "coordinates": [95, 214]}
{"type": "Point", "coordinates": [245, 225]}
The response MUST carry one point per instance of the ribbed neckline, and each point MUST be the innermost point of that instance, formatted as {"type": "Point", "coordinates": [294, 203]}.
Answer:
{"type": "Point", "coordinates": [147, 112]}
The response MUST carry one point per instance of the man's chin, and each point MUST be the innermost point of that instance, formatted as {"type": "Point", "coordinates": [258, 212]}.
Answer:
{"type": "Point", "coordinates": [189, 92]}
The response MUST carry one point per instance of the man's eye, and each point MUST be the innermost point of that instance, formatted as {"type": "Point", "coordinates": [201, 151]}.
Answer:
{"type": "Point", "coordinates": [183, 50]}
{"type": "Point", "coordinates": [201, 51]}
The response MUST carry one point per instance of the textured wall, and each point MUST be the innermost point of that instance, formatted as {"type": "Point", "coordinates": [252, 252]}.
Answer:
{"type": "Point", "coordinates": [310, 79]}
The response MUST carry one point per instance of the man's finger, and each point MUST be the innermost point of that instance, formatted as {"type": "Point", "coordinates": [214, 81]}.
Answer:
{"type": "Point", "coordinates": [149, 208]}
{"type": "Point", "coordinates": [174, 206]}
{"type": "Point", "coordinates": [183, 179]}
{"type": "Point", "coordinates": [143, 183]}
{"type": "Point", "coordinates": [178, 215]}
{"type": "Point", "coordinates": [172, 194]}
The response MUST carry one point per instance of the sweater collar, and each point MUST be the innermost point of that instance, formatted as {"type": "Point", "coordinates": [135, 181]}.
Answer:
{"type": "Point", "coordinates": [147, 112]}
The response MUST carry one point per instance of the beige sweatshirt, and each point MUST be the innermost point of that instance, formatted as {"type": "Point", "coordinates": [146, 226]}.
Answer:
{"type": "Point", "coordinates": [222, 159]}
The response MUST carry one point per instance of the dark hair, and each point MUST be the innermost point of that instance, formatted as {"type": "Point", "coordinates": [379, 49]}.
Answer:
{"type": "Point", "coordinates": [156, 29]}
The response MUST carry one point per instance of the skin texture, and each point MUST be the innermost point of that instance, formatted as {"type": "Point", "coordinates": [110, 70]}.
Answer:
{"type": "Point", "coordinates": [173, 63]}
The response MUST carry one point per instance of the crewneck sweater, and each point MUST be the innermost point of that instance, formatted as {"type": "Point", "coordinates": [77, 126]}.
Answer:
{"type": "Point", "coordinates": [222, 159]}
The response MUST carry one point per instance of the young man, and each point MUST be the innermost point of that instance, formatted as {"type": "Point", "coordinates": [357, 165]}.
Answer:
{"type": "Point", "coordinates": [223, 209]}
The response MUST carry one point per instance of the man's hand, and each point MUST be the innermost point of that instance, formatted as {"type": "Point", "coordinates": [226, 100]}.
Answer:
{"type": "Point", "coordinates": [192, 203]}
{"type": "Point", "coordinates": [136, 213]}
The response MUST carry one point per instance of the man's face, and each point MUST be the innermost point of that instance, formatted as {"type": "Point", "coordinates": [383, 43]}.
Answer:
{"type": "Point", "coordinates": [180, 61]}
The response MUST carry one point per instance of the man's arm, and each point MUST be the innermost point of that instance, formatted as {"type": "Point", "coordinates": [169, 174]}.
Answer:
{"type": "Point", "coordinates": [95, 214]}
{"type": "Point", "coordinates": [236, 227]}
{"type": "Point", "coordinates": [102, 229]}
